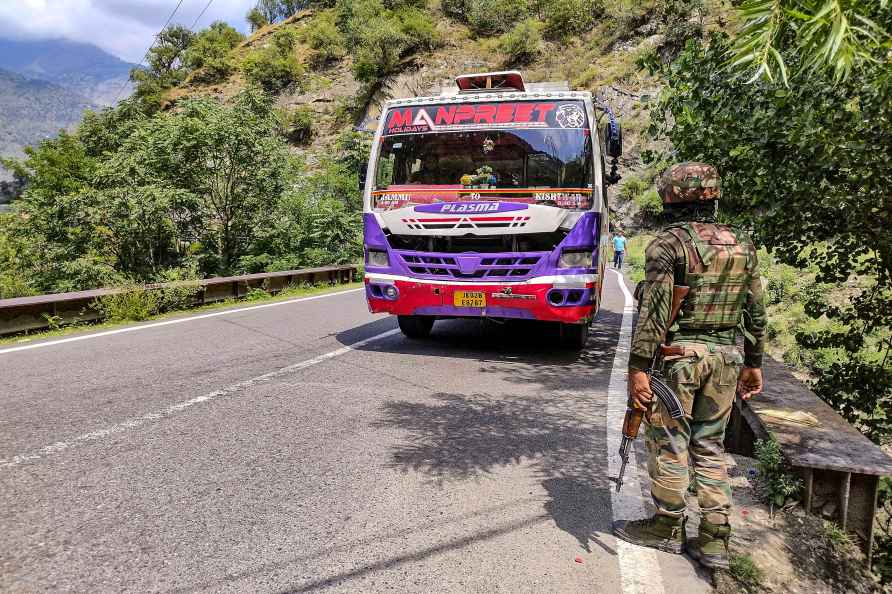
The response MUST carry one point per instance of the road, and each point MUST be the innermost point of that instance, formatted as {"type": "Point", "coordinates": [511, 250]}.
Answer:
{"type": "Point", "coordinates": [307, 445]}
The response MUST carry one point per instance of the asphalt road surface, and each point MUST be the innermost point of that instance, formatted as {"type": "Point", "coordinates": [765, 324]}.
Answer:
{"type": "Point", "coordinates": [307, 445]}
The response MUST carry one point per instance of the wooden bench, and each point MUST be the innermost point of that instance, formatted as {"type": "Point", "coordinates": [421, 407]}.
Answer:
{"type": "Point", "coordinates": [840, 467]}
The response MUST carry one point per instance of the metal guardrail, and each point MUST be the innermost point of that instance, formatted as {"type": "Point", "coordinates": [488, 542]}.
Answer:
{"type": "Point", "coordinates": [34, 313]}
{"type": "Point", "coordinates": [840, 467]}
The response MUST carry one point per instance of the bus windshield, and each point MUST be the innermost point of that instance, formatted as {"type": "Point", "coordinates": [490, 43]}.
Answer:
{"type": "Point", "coordinates": [426, 157]}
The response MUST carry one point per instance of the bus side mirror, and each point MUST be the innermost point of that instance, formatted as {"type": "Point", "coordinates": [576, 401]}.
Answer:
{"type": "Point", "coordinates": [363, 167]}
{"type": "Point", "coordinates": [613, 140]}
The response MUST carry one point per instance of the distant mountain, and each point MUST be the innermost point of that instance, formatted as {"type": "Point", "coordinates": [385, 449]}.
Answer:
{"type": "Point", "coordinates": [81, 67]}
{"type": "Point", "coordinates": [31, 110]}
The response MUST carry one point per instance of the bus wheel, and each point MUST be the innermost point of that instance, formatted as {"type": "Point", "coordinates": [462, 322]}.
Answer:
{"type": "Point", "coordinates": [416, 326]}
{"type": "Point", "coordinates": [574, 336]}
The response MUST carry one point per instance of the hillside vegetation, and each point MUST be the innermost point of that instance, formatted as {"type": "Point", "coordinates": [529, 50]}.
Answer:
{"type": "Point", "coordinates": [238, 154]}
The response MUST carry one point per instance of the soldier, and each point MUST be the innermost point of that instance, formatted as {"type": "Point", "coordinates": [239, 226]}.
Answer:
{"type": "Point", "coordinates": [703, 364]}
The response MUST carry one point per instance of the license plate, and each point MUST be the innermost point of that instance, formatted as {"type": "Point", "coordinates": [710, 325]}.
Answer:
{"type": "Point", "coordinates": [469, 299]}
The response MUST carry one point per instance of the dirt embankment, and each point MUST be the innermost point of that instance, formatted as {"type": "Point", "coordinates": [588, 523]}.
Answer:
{"type": "Point", "coordinates": [787, 551]}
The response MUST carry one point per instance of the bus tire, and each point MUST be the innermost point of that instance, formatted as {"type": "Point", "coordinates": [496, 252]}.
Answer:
{"type": "Point", "coordinates": [415, 327]}
{"type": "Point", "coordinates": [574, 336]}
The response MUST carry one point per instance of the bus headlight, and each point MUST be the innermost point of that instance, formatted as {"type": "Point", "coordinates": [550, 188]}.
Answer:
{"type": "Point", "coordinates": [378, 258]}
{"type": "Point", "coordinates": [575, 259]}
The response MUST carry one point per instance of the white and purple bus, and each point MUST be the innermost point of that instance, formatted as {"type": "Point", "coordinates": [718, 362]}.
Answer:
{"type": "Point", "coordinates": [489, 202]}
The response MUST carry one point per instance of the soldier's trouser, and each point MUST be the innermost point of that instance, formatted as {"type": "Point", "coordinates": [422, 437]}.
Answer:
{"type": "Point", "coordinates": [705, 380]}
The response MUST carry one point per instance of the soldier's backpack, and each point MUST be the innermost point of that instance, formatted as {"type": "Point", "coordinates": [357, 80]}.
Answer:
{"type": "Point", "coordinates": [718, 271]}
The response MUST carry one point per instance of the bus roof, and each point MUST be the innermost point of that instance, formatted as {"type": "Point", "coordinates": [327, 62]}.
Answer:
{"type": "Point", "coordinates": [491, 97]}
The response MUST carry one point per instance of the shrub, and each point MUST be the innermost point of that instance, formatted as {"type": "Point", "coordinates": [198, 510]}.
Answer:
{"type": "Point", "coordinates": [397, 4]}
{"type": "Point", "coordinates": [522, 44]}
{"type": "Point", "coordinates": [635, 249]}
{"type": "Point", "coordinates": [182, 294]}
{"type": "Point", "coordinates": [257, 294]}
{"type": "Point", "coordinates": [419, 29]}
{"type": "Point", "coordinates": [256, 19]}
{"type": "Point", "coordinates": [457, 9]}
{"type": "Point", "coordinates": [650, 203]}
{"type": "Point", "coordinates": [326, 41]}
{"type": "Point", "coordinates": [776, 483]}
{"type": "Point", "coordinates": [298, 125]}
{"type": "Point", "coordinates": [745, 571]}
{"type": "Point", "coordinates": [134, 303]}
{"type": "Point", "coordinates": [381, 43]}
{"type": "Point", "coordinates": [632, 187]}
{"type": "Point", "coordinates": [568, 17]}
{"type": "Point", "coordinates": [274, 67]}
{"type": "Point", "coordinates": [210, 53]}
{"type": "Point", "coordinates": [491, 17]}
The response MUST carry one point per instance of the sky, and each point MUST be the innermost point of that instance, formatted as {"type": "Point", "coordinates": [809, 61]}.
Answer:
{"type": "Point", "coordinates": [121, 27]}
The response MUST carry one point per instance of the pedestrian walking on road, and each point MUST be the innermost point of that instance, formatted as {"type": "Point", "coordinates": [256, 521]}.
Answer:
{"type": "Point", "coordinates": [699, 358]}
{"type": "Point", "coordinates": [619, 249]}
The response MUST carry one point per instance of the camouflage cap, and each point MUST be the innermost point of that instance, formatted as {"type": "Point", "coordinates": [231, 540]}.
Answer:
{"type": "Point", "coordinates": [689, 182]}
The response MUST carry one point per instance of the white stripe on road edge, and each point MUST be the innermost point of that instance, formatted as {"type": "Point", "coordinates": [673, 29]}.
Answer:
{"type": "Point", "coordinates": [172, 322]}
{"type": "Point", "coordinates": [639, 567]}
{"type": "Point", "coordinates": [181, 406]}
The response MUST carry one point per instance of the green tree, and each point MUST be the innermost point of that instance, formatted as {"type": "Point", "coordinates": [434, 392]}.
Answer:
{"type": "Point", "coordinates": [808, 168]}
{"type": "Point", "coordinates": [522, 44]}
{"type": "Point", "coordinates": [225, 163]}
{"type": "Point", "coordinates": [568, 17]}
{"type": "Point", "coordinates": [210, 53]}
{"type": "Point", "coordinates": [381, 44]}
{"type": "Point", "coordinates": [165, 66]}
{"type": "Point", "coordinates": [326, 40]}
{"type": "Point", "coordinates": [274, 67]}
{"type": "Point", "coordinates": [257, 19]}
{"type": "Point", "coordinates": [492, 17]}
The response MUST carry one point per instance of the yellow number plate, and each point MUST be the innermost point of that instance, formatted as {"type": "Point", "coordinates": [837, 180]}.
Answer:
{"type": "Point", "coordinates": [469, 299]}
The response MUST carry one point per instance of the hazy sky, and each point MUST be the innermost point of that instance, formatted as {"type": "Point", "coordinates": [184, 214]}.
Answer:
{"type": "Point", "coordinates": [121, 27]}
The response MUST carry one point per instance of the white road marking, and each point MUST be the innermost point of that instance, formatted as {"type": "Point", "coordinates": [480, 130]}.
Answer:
{"type": "Point", "coordinates": [215, 314]}
{"type": "Point", "coordinates": [181, 406]}
{"type": "Point", "coordinates": [639, 567]}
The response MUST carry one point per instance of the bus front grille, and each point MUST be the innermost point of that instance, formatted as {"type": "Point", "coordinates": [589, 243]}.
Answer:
{"type": "Point", "coordinates": [471, 266]}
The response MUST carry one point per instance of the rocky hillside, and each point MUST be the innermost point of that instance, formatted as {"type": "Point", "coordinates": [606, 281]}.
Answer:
{"type": "Point", "coordinates": [598, 47]}
{"type": "Point", "coordinates": [79, 67]}
{"type": "Point", "coordinates": [31, 110]}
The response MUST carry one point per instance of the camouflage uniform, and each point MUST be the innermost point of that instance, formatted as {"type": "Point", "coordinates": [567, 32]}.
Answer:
{"type": "Point", "coordinates": [720, 266]}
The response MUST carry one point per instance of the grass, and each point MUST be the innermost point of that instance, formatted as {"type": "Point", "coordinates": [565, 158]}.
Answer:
{"type": "Point", "coordinates": [836, 536]}
{"type": "Point", "coordinates": [745, 571]}
{"type": "Point", "coordinates": [257, 296]}
{"type": "Point", "coordinates": [635, 256]}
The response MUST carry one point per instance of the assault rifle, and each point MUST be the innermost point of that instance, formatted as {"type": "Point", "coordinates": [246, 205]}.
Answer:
{"type": "Point", "coordinates": [659, 388]}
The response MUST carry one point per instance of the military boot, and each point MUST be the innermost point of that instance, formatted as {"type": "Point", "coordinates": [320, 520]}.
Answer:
{"type": "Point", "coordinates": [659, 532]}
{"type": "Point", "coordinates": [710, 547]}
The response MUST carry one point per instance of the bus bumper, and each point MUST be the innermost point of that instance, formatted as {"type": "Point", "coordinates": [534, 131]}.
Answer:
{"type": "Point", "coordinates": [567, 299]}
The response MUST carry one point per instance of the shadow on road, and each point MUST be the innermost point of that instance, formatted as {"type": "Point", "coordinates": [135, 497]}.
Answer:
{"type": "Point", "coordinates": [559, 428]}
{"type": "Point", "coordinates": [416, 556]}
{"type": "Point", "coordinates": [577, 508]}
{"type": "Point", "coordinates": [524, 352]}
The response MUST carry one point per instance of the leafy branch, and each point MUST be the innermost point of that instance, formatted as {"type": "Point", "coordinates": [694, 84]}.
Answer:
{"type": "Point", "coordinates": [831, 35]}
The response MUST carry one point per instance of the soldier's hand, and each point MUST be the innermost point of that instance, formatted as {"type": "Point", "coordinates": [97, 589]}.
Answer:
{"type": "Point", "coordinates": [639, 390]}
{"type": "Point", "coordinates": [749, 383]}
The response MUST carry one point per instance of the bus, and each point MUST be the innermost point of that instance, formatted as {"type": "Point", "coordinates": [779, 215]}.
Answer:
{"type": "Point", "coordinates": [489, 201]}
